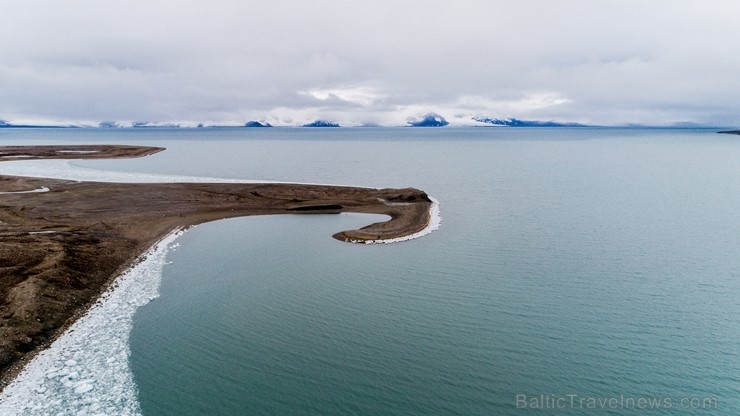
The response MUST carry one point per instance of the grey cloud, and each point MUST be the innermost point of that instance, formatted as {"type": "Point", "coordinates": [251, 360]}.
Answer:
{"type": "Point", "coordinates": [599, 62]}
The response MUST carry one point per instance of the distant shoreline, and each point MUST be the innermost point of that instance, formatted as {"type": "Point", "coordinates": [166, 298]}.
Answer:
{"type": "Point", "coordinates": [67, 242]}
{"type": "Point", "coordinates": [729, 132]}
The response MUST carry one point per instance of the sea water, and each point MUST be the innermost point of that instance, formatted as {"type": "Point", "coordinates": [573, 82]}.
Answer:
{"type": "Point", "coordinates": [577, 271]}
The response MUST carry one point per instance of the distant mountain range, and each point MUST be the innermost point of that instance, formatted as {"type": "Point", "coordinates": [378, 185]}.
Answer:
{"type": "Point", "coordinates": [137, 125]}
{"type": "Point", "coordinates": [4, 124]}
{"type": "Point", "coordinates": [422, 120]}
{"type": "Point", "coordinates": [513, 122]}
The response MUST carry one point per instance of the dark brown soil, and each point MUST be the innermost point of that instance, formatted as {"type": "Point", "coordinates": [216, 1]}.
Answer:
{"type": "Point", "coordinates": [60, 249]}
{"type": "Point", "coordinates": [98, 151]}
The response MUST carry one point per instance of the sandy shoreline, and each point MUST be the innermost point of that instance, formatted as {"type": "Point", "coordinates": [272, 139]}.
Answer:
{"type": "Point", "coordinates": [50, 239]}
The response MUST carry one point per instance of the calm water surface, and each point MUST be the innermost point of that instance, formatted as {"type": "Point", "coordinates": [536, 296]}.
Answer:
{"type": "Point", "coordinates": [602, 263]}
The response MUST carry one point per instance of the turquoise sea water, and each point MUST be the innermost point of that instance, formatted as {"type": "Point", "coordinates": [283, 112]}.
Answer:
{"type": "Point", "coordinates": [579, 264]}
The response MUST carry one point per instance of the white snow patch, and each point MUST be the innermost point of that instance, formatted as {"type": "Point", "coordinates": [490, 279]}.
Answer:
{"type": "Point", "coordinates": [33, 191]}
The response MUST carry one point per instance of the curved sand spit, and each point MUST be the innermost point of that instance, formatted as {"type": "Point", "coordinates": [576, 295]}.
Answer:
{"type": "Point", "coordinates": [54, 233]}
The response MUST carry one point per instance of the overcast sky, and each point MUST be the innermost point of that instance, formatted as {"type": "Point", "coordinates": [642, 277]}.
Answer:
{"type": "Point", "coordinates": [290, 62]}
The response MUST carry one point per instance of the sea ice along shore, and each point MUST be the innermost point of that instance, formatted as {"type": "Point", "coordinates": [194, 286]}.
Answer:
{"type": "Point", "coordinates": [86, 370]}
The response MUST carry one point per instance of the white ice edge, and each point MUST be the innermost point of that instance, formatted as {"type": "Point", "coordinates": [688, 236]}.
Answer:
{"type": "Point", "coordinates": [435, 220]}
{"type": "Point", "coordinates": [33, 191]}
{"type": "Point", "coordinates": [86, 370]}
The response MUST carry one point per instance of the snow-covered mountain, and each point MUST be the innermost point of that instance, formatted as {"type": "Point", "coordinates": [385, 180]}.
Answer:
{"type": "Point", "coordinates": [321, 123]}
{"type": "Point", "coordinates": [427, 120]}
{"type": "Point", "coordinates": [255, 123]}
{"type": "Point", "coordinates": [513, 122]}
